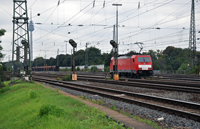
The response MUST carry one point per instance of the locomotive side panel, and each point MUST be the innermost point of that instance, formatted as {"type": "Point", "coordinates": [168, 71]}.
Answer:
{"type": "Point", "coordinates": [124, 65]}
{"type": "Point", "coordinates": [111, 64]}
{"type": "Point", "coordinates": [134, 64]}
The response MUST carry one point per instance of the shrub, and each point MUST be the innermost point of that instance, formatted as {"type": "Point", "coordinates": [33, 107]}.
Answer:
{"type": "Point", "coordinates": [106, 68]}
{"type": "Point", "coordinates": [94, 69]}
{"type": "Point", "coordinates": [70, 69]}
{"type": "Point", "coordinates": [67, 78]}
{"type": "Point", "coordinates": [4, 89]}
{"type": "Point", "coordinates": [84, 97]}
{"type": "Point", "coordinates": [33, 94]}
{"type": "Point", "coordinates": [78, 69]}
{"type": "Point", "coordinates": [2, 84]}
{"type": "Point", "coordinates": [114, 108]}
{"type": "Point", "coordinates": [66, 69]}
{"type": "Point", "coordinates": [58, 78]}
{"type": "Point", "coordinates": [85, 69]}
{"type": "Point", "coordinates": [48, 109]}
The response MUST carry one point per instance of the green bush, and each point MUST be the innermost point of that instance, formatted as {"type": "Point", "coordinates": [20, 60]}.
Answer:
{"type": "Point", "coordinates": [48, 109]}
{"type": "Point", "coordinates": [4, 89]}
{"type": "Point", "coordinates": [78, 69]}
{"type": "Point", "coordinates": [70, 69]}
{"type": "Point", "coordinates": [195, 70]}
{"type": "Point", "coordinates": [66, 69]}
{"type": "Point", "coordinates": [67, 78]}
{"type": "Point", "coordinates": [33, 94]}
{"type": "Point", "coordinates": [107, 69]}
{"type": "Point", "coordinates": [85, 69]}
{"type": "Point", "coordinates": [94, 69]}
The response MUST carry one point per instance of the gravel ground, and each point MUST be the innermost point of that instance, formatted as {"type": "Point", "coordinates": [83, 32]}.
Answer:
{"type": "Point", "coordinates": [170, 121]}
{"type": "Point", "coordinates": [190, 97]}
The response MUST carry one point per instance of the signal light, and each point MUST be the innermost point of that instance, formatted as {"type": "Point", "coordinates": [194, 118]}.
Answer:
{"type": "Point", "coordinates": [113, 43]}
{"type": "Point", "coordinates": [73, 43]}
{"type": "Point", "coordinates": [25, 43]}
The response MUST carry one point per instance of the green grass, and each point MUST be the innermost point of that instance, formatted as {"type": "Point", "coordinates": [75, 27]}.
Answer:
{"type": "Point", "coordinates": [30, 105]}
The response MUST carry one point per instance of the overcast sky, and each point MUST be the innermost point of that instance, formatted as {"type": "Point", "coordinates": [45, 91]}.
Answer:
{"type": "Point", "coordinates": [92, 22]}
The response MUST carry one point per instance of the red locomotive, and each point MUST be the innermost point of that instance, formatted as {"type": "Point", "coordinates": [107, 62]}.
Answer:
{"type": "Point", "coordinates": [133, 66]}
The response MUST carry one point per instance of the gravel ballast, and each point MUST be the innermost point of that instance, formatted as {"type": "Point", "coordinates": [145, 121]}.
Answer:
{"type": "Point", "coordinates": [167, 120]}
{"type": "Point", "coordinates": [189, 97]}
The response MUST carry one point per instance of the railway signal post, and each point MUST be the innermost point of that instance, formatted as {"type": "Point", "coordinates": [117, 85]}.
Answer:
{"type": "Point", "coordinates": [74, 45]}
{"type": "Point", "coordinates": [115, 67]}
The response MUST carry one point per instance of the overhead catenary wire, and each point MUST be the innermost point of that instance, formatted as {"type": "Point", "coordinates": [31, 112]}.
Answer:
{"type": "Point", "coordinates": [65, 21]}
{"type": "Point", "coordinates": [57, 35]}
{"type": "Point", "coordinates": [68, 20]}
{"type": "Point", "coordinates": [32, 4]}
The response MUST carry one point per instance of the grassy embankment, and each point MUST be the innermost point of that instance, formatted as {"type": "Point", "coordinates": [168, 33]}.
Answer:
{"type": "Point", "coordinates": [27, 105]}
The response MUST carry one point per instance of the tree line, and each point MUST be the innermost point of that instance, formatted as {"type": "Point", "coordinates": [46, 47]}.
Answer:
{"type": "Point", "coordinates": [2, 65]}
{"type": "Point", "coordinates": [169, 59]}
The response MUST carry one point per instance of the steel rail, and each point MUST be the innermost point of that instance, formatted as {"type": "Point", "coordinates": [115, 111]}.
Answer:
{"type": "Point", "coordinates": [188, 84]}
{"type": "Point", "coordinates": [141, 84]}
{"type": "Point", "coordinates": [146, 85]}
{"type": "Point", "coordinates": [185, 83]}
{"type": "Point", "coordinates": [180, 77]}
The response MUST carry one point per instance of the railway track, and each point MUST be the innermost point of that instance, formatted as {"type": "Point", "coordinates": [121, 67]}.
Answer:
{"type": "Point", "coordinates": [183, 83]}
{"type": "Point", "coordinates": [178, 77]}
{"type": "Point", "coordinates": [167, 77]}
{"type": "Point", "coordinates": [170, 86]}
{"type": "Point", "coordinates": [134, 98]}
{"type": "Point", "coordinates": [187, 82]}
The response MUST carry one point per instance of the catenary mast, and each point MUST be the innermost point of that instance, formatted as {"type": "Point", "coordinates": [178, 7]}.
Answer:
{"type": "Point", "coordinates": [20, 44]}
{"type": "Point", "coordinates": [192, 37]}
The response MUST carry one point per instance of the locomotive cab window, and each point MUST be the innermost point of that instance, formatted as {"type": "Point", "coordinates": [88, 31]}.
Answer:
{"type": "Point", "coordinates": [133, 60]}
{"type": "Point", "coordinates": [144, 59]}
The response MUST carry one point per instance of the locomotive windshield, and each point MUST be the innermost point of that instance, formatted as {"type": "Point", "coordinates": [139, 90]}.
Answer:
{"type": "Point", "coordinates": [144, 59]}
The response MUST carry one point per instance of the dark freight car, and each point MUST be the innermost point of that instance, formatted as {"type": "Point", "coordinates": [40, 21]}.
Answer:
{"type": "Point", "coordinates": [45, 68]}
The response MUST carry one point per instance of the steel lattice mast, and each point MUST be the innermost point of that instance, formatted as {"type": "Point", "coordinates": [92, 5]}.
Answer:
{"type": "Point", "coordinates": [192, 37]}
{"type": "Point", "coordinates": [20, 41]}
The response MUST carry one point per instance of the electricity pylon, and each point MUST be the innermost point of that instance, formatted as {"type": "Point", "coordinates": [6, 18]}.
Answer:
{"type": "Point", "coordinates": [21, 63]}
{"type": "Point", "coordinates": [192, 37]}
